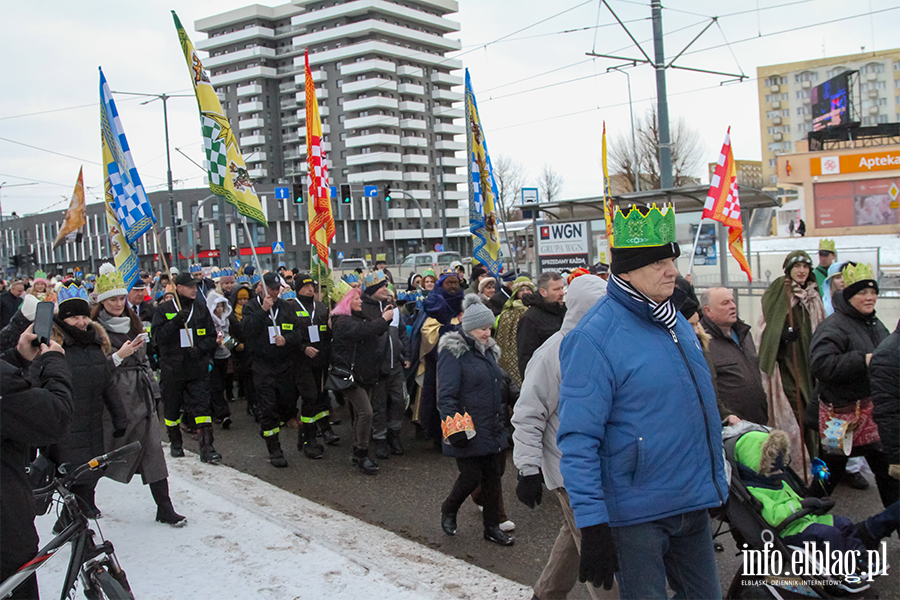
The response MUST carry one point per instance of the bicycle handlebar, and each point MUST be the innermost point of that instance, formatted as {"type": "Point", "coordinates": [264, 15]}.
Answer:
{"type": "Point", "coordinates": [95, 463]}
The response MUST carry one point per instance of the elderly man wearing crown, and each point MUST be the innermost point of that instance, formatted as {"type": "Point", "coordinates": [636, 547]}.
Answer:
{"type": "Point", "coordinates": [639, 429]}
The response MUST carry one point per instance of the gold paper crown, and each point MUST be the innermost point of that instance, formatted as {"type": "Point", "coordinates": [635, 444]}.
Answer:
{"type": "Point", "coordinates": [861, 272]}
{"type": "Point", "coordinates": [458, 423]}
{"type": "Point", "coordinates": [827, 245]}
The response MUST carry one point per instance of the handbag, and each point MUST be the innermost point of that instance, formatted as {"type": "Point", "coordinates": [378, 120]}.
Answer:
{"type": "Point", "coordinates": [40, 473]}
{"type": "Point", "coordinates": [842, 429]}
{"type": "Point", "coordinates": [339, 378]}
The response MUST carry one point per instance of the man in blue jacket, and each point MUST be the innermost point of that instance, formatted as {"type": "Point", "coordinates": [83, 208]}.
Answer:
{"type": "Point", "coordinates": [639, 429]}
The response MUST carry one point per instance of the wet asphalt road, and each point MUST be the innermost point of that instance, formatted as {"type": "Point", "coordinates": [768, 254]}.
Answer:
{"type": "Point", "coordinates": [405, 498]}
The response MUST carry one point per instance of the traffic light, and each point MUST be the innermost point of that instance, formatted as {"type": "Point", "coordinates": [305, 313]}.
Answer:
{"type": "Point", "coordinates": [387, 192]}
{"type": "Point", "coordinates": [297, 190]}
{"type": "Point", "coordinates": [345, 194]}
{"type": "Point", "coordinates": [232, 250]}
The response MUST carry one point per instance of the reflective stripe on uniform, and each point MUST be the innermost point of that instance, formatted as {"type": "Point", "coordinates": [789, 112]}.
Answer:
{"type": "Point", "coordinates": [315, 418]}
{"type": "Point", "coordinates": [173, 423]}
{"type": "Point", "coordinates": [199, 420]}
{"type": "Point", "coordinates": [271, 432]}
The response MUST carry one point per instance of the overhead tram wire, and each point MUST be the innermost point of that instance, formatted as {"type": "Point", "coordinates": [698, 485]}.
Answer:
{"type": "Point", "coordinates": [740, 12]}
{"type": "Point", "coordinates": [55, 110]}
{"type": "Point", "coordinates": [91, 162]}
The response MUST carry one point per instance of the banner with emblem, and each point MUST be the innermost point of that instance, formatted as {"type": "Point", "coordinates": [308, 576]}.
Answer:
{"type": "Point", "coordinates": [115, 177]}
{"type": "Point", "coordinates": [76, 215]}
{"type": "Point", "coordinates": [483, 195]}
{"type": "Point", "coordinates": [228, 175]}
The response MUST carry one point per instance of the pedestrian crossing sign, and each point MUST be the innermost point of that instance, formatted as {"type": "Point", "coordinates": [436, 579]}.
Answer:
{"type": "Point", "coordinates": [278, 248]}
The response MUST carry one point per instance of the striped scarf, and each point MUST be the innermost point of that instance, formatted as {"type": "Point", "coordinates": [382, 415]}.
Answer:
{"type": "Point", "coordinates": [663, 312]}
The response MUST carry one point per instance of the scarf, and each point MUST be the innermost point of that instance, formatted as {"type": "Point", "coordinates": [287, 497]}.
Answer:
{"type": "Point", "coordinates": [115, 324]}
{"type": "Point", "coordinates": [775, 315]}
{"type": "Point", "coordinates": [662, 312]}
{"type": "Point", "coordinates": [81, 338]}
{"type": "Point", "coordinates": [238, 311]}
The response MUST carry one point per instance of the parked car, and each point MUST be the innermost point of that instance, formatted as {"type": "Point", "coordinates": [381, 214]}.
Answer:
{"type": "Point", "coordinates": [351, 264]}
{"type": "Point", "coordinates": [416, 263]}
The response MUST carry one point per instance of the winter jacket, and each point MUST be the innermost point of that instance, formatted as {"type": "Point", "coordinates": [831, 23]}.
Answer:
{"type": "Point", "coordinates": [540, 321]}
{"type": "Point", "coordinates": [223, 324]}
{"type": "Point", "coordinates": [838, 354]}
{"type": "Point", "coordinates": [256, 323]}
{"type": "Point", "coordinates": [639, 397]}
{"type": "Point", "coordinates": [93, 388]}
{"type": "Point", "coordinates": [884, 380]}
{"type": "Point", "coordinates": [505, 333]}
{"type": "Point", "coordinates": [536, 416]}
{"type": "Point", "coordinates": [144, 311]}
{"type": "Point", "coordinates": [184, 363]}
{"type": "Point", "coordinates": [356, 345]}
{"type": "Point", "coordinates": [310, 312]}
{"type": "Point", "coordinates": [471, 381]}
{"type": "Point", "coordinates": [395, 349]}
{"type": "Point", "coordinates": [35, 411]}
{"type": "Point", "coordinates": [737, 376]}
{"type": "Point", "coordinates": [9, 304]}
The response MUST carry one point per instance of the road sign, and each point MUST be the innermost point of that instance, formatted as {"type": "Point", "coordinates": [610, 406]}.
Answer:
{"type": "Point", "coordinates": [278, 248]}
{"type": "Point", "coordinates": [334, 191]}
{"type": "Point", "coordinates": [340, 255]}
{"type": "Point", "coordinates": [529, 195]}
{"type": "Point", "coordinates": [282, 193]}
{"type": "Point", "coordinates": [371, 191]}
{"type": "Point", "coordinates": [438, 247]}
{"type": "Point", "coordinates": [79, 273]}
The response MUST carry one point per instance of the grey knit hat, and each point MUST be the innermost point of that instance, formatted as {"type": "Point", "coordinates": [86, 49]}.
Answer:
{"type": "Point", "coordinates": [475, 314]}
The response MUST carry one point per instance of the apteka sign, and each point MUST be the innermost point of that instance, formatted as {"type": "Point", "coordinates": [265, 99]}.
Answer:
{"type": "Point", "coordinates": [556, 239]}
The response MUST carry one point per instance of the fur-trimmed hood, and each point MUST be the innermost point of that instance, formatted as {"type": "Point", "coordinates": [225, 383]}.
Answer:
{"type": "Point", "coordinates": [765, 453]}
{"type": "Point", "coordinates": [458, 344]}
{"type": "Point", "coordinates": [58, 336]}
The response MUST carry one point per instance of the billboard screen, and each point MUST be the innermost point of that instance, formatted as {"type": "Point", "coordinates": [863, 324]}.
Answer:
{"type": "Point", "coordinates": [861, 203]}
{"type": "Point", "coordinates": [831, 102]}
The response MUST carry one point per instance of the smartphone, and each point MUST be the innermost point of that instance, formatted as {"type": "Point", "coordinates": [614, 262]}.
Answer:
{"type": "Point", "coordinates": [43, 323]}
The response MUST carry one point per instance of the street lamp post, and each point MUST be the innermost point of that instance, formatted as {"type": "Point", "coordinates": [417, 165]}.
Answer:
{"type": "Point", "coordinates": [637, 165]}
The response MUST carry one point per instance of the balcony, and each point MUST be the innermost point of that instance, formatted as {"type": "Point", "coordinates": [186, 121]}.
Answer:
{"type": "Point", "coordinates": [778, 137]}
{"type": "Point", "coordinates": [363, 7]}
{"type": "Point", "coordinates": [251, 124]}
{"type": "Point", "coordinates": [304, 167]}
{"type": "Point", "coordinates": [776, 121]}
{"type": "Point", "coordinates": [412, 124]}
{"type": "Point", "coordinates": [774, 89]}
{"type": "Point", "coordinates": [453, 113]}
{"type": "Point", "coordinates": [873, 93]}
{"type": "Point", "coordinates": [418, 194]}
{"type": "Point", "coordinates": [249, 90]}
{"type": "Point", "coordinates": [373, 158]}
{"type": "Point", "coordinates": [369, 103]}
{"type": "Point", "coordinates": [288, 102]}
{"type": "Point", "coordinates": [300, 97]}
{"type": "Point", "coordinates": [417, 142]}
{"type": "Point", "coordinates": [239, 56]}
{"type": "Point", "coordinates": [449, 145]}
{"type": "Point", "coordinates": [873, 110]}
{"type": "Point", "coordinates": [365, 66]}
{"type": "Point", "coordinates": [242, 74]}
{"type": "Point", "coordinates": [301, 132]}
{"type": "Point", "coordinates": [235, 36]}
{"type": "Point", "coordinates": [416, 176]}
{"type": "Point", "coordinates": [458, 212]}
{"type": "Point", "coordinates": [250, 107]}
{"type": "Point", "coordinates": [253, 140]}
{"type": "Point", "coordinates": [456, 195]}
{"type": "Point", "coordinates": [373, 83]}
{"type": "Point", "coordinates": [446, 78]}
{"type": "Point", "coordinates": [396, 213]}
{"type": "Point", "coordinates": [220, 96]}
{"type": "Point", "coordinates": [377, 139]}
{"type": "Point", "coordinates": [806, 85]}
{"type": "Point", "coordinates": [290, 86]}
{"type": "Point", "coordinates": [415, 159]}
{"type": "Point", "coordinates": [450, 96]}
{"type": "Point", "coordinates": [449, 128]}
{"type": "Point", "coordinates": [413, 213]}
{"type": "Point", "coordinates": [374, 28]}
{"type": "Point", "coordinates": [776, 104]}
{"type": "Point", "coordinates": [371, 121]}
{"type": "Point", "coordinates": [373, 176]}
{"type": "Point", "coordinates": [454, 178]}
{"type": "Point", "coordinates": [411, 88]}
{"type": "Point", "coordinates": [410, 71]}
{"type": "Point", "coordinates": [255, 173]}
{"type": "Point", "coordinates": [380, 48]}
{"type": "Point", "coordinates": [291, 154]}
{"type": "Point", "coordinates": [255, 157]}
{"type": "Point", "coordinates": [410, 106]}
{"type": "Point", "coordinates": [451, 161]}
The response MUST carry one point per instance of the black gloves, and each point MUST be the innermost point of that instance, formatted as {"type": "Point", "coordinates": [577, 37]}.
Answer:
{"type": "Point", "coordinates": [790, 334]}
{"type": "Point", "coordinates": [119, 433]}
{"type": "Point", "coordinates": [529, 490]}
{"type": "Point", "coordinates": [182, 317]}
{"type": "Point", "coordinates": [599, 560]}
{"type": "Point", "coordinates": [459, 439]}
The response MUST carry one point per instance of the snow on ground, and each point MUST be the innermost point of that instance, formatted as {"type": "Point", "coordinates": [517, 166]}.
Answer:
{"type": "Point", "coordinates": [889, 244]}
{"type": "Point", "coordinates": [248, 539]}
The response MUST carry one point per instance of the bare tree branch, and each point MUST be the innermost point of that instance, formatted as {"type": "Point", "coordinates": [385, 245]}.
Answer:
{"type": "Point", "coordinates": [510, 176]}
{"type": "Point", "coordinates": [550, 184]}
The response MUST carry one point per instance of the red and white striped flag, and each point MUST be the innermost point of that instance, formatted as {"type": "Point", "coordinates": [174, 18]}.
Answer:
{"type": "Point", "coordinates": [321, 221]}
{"type": "Point", "coordinates": [723, 204]}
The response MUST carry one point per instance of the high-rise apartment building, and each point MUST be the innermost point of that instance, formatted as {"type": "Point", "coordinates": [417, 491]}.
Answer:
{"type": "Point", "coordinates": [390, 114]}
{"type": "Point", "coordinates": [785, 110]}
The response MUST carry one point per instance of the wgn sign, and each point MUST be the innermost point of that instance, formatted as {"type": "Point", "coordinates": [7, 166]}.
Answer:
{"type": "Point", "coordinates": [563, 246]}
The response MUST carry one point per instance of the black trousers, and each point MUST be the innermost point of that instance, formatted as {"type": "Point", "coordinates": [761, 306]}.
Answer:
{"type": "Point", "coordinates": [276, 394]}
{"type": "Point", "coordinates": [191, 397]}
{"type": "Point", "coordinates": [475, 471]}
{"type": "Point", "coordinates": [315, 403]}
{"type": "Point", "coordinates": [888, 487]}
{"type": "Point", "coordinates": [218, 379]}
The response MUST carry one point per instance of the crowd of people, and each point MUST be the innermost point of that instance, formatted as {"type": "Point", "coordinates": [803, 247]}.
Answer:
{"type": "Point", "coordinates": [610, 386]}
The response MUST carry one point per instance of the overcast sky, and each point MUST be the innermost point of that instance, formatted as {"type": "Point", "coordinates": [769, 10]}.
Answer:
{"type": "Point", "coordinates": [51, 51]}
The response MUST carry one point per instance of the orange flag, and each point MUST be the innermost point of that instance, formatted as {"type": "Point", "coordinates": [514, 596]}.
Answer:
{"type": "Point", "coordinates": [76, 215]}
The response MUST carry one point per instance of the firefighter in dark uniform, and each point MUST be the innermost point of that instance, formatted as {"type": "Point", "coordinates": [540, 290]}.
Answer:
{"type": "Point", "coordinates": [312, 368]}
{"type": "Point", "coordinates": [273, 335]}
{"type": "Point", "coordinates": [186, 341]}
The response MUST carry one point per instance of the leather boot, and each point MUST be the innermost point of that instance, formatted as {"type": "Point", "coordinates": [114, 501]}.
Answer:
{"type": "Point", "coordinates": [308, 442]}
{"type": "Point", "coordinates": [366, 465]}
{"type": "Point", "coordinates": [276, 456]}
{"type": "Point", "coordinates": [176, 446]}
{"type": "Point", "coordinates": [393, 439]}
{"type": "Point", "coordinates": [208, 454]}
{"type": "Point", "coordinates": [165, 512]}
{"type": "Point", "coordinates": [328, 434]}
{"type": "Point", "coordinates": [382, 452]}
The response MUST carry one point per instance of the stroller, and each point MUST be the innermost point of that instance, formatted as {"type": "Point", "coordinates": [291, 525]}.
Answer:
{"type": "Point", "coordinates": [767, 568]}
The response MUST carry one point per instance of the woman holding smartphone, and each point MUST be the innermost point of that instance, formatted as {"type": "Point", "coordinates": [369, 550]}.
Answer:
{"type": "Point", "coordinates": [138, 391]}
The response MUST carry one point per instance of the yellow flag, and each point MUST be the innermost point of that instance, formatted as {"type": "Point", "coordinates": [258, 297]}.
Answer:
{"type": "Point", "coordinates": [76, 215]}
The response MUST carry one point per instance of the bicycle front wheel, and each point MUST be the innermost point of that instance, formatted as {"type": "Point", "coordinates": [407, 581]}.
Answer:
{"type": "Point", "coordinates": [105, 587]}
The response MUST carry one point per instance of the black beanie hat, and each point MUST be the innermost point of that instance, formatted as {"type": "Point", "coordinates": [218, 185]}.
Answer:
{"type": "Point", "coordinates": [477, 271]}
{"type": "Point", "coordinates": [855, 288]}
{"type": "Point", "coordinates": [631, 259]}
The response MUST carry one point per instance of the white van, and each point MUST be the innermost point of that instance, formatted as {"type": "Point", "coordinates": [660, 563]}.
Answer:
{"type": "Point", "coordinates": [416, 263]}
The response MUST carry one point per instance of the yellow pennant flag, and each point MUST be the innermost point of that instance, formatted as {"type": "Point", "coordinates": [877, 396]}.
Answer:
{"type": "Point", "coordinates": [76, 215]}
{"type": "Point", "coordinates": [228, 176]}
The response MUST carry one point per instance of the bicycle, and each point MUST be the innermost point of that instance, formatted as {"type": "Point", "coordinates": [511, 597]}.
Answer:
{"type": "Point", "coordinates": [95, 565]}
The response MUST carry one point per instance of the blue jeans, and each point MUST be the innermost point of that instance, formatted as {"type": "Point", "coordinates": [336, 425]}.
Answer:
{"type": "Point", "coordinates": [678, 548]}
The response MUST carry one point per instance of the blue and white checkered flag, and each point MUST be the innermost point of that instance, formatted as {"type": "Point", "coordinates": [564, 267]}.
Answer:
{"type": "Point", "coordinates": [129, 200]}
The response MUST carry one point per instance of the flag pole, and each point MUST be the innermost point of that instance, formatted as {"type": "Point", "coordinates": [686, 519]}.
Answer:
{"type": "Point", "coordinates": [165, 263]}
{"type": "Point", "coordinates": [252, 245]}
{"type": "Point", "coordinates": [694, 247]}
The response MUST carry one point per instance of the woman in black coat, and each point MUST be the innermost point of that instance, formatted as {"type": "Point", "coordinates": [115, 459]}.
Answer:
{"type": "Point", "coordinates": [840, 352]}
{"type": "Point", "coordinates": [355, 349]}
{"type": "Point", "coordinates": [86, 345]}
{"type": "Point", "coordinates": [884, 379]}
{"type": "Point", "coordinates": [470, 382]}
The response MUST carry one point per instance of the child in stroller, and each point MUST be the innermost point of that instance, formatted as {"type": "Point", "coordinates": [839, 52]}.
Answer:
{"type": "Point", "coordinates": [767, 511]}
